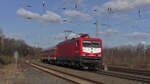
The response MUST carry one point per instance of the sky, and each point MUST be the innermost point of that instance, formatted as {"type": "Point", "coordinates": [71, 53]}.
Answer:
{"type": "Point", "coordinates": [42, 23]}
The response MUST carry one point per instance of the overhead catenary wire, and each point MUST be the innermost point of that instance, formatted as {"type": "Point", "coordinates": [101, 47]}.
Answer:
{"type": "Point", "coordinates": [44, 5]}
{"type": "Point", "coordinates": [140, 17]}
{"type": "Point", "coordinates": [110, 11]}
{"type": "Point", "coordinates": [27, 4]}
{"type": "Point", "coordinates": [108, 16]}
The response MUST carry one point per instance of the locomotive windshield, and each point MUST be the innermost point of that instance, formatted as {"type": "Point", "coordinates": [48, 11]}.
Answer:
{"type": "Point", "coordinates": [91, 43]}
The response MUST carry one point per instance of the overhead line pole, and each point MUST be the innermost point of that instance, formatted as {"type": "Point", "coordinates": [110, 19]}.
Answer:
{"type": "Point", "coordinates": [97, 30]}
{"type": "Point", "coordinates": [96, 23]}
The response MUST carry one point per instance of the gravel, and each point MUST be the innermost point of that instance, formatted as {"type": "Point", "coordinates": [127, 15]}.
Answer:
{"type": "Point", "coordinates": [34, 76]}
{"type": "Point", "coordinates": [94, 76]}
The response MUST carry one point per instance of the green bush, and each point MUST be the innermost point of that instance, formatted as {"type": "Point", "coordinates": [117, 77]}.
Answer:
{"type": "Point", "coordinates": [5, 60]}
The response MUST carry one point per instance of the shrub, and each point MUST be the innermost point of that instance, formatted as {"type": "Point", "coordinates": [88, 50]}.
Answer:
{"type": "Point", "coordinates": [5, 60]}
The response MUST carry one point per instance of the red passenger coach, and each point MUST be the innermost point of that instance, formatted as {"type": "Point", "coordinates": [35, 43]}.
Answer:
{"type": "Point", "coordinates": [48, 55]}
{"type": "Point", "coordinates": [81, 52]}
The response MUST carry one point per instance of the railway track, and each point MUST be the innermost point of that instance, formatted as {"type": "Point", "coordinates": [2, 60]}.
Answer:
{"type": "Point", "coordinates": [126, 73]}
{"type": "Point", "coordinates": [142, 79]}
{"type": "Point", "coordinates": [130, 71]}
{"type": "Point", "coordinates": [116, 74]}
{"type": "Point", "coordinates": [64, 75]}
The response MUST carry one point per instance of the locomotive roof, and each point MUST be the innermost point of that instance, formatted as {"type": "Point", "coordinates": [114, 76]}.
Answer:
{"type": "Point", "coordinates": [73, 39]}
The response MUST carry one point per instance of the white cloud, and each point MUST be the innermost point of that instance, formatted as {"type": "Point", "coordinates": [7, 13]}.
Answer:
{"type": "Point", "coordinates": [77, 14]}
{"type": "Point", "coordinates": [137, 35]}
{"type": "Point", "coordinates": [122, 5]}
{"type": "Point", "coordinates": [49, 17]}
{"type": "Point", "coordinates": [109, 32]}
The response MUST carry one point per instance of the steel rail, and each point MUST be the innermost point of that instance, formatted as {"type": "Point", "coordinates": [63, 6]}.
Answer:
{"type": "Point", "coordinates": [64, 75]}
{"type": "Point", "coordinates": [125, 76]}
{"type": "Point", "coordinates": [129, 70]}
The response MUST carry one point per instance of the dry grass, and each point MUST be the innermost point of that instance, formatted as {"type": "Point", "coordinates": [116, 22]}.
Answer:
{"type": "Point", "coordinates": [1, 66]}
{"type": "Point", "coordinates": [9, 74]}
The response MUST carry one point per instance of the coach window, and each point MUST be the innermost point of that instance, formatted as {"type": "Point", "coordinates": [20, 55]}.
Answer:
{"type": "Point", "coordinates": [53, 51]}
{"type": "Point", "coordinates": [77, 43]}
{"type": "Point", "coordinates": [50, 52]}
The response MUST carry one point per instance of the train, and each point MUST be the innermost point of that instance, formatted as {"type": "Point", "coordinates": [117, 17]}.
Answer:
{"type": "Point", "coordinates": [81, 52]}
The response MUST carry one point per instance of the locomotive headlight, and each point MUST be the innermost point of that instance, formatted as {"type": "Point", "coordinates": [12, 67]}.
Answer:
{"type": "Point", "coordinates": [83, 54]}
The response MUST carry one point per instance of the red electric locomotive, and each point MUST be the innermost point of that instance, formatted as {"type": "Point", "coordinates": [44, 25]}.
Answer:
{"type": "Point", "coordinates": [82, 52]}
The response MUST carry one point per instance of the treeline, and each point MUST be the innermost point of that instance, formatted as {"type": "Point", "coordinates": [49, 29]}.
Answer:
{"type": "Point", "coordinates": [129, 56]}
{"type": "Point", "coordinates": [9, 46]}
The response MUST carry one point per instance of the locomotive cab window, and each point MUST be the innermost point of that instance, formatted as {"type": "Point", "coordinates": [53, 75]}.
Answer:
{"type": "Point", "coordinates": [91, 43]}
